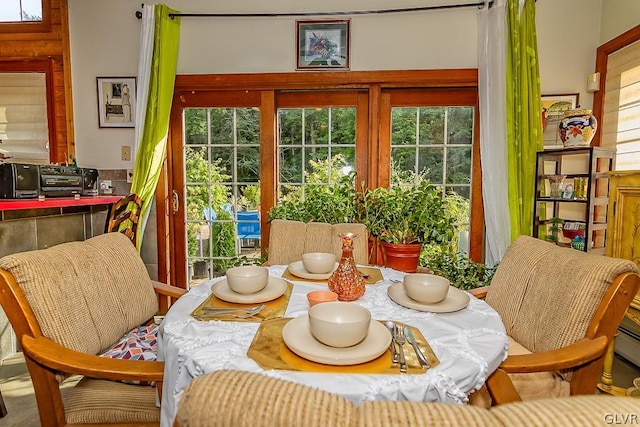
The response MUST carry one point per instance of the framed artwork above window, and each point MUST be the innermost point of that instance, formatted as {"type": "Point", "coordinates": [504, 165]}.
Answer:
{"type": "Point", "coordinates": [322, 45]}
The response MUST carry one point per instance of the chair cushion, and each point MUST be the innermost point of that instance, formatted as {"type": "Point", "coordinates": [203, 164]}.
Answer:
{"type": "Point", "coordinates": [567, 283]}
{"type": "Point", "coordinates": [535, 385]}
{"type": "Point", "coordinates": [246, 399]}
{"type": "Point", "coordinates": [394, 413]}
{"type": "Point", "coordinates": [86, 295]}
{"type": "Point", "coordinates": [141, 343]}
{"type": "Point", "coordinates": [102, 401]}
{"type": "Point", "coordinates": [288, 240]}
{"type": "Point", "coordinates": [583, 411]}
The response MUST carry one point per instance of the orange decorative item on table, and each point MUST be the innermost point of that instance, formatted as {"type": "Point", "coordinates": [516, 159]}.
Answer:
{"type": "Point", "coordinates": [346, 281]}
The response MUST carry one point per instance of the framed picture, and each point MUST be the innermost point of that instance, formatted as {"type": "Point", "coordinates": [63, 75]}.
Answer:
{"type": "Point", "coordinates": [553, 108]}
{"type": "Point", "coordinates": [322, 45]}
{"type": "Point", "coordinates": [116, 102]}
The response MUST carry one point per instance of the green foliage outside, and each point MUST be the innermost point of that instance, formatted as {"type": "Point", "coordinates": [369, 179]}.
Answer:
{"type": "Point", "coordinates": [412, 197]}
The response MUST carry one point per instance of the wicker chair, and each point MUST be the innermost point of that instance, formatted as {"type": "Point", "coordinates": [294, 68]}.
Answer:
{"type": "Point", "coordinates": [561, 308]}
{"type": "Point", "coordinates": [288, 240]}
{"type": "Point", "coordinates": [70, 303]}
{"type": "Point", "coordinates": [248, 399]}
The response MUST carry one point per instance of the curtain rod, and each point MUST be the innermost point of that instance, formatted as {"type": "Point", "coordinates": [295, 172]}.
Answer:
{"type": "Point", "coordinates": [479, 5]}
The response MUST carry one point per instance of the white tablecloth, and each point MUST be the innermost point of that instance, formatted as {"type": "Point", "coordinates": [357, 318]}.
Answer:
{"type": "Point", "coordinates": [470, 343]}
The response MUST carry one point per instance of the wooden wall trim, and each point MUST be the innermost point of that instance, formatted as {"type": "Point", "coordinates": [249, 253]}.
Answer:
{"type": "Point", "coordinates": [328, 80]}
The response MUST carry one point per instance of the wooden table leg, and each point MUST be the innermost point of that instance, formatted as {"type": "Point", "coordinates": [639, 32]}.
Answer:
{"type": "Point", "coordinates": [606, 379]}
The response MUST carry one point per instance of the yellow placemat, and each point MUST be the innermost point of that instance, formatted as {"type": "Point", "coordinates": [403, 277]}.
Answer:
{"type": "Point", "coordinates": [270, 352]}
{"type": "Point", "coordinates": [275, 308]}
{"type": "Point", "coordinates": [371, 276]}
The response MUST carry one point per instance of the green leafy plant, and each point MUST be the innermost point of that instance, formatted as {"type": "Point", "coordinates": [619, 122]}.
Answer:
{"type": "Point", "coordinates": [335, 203]}
{"type": "Point", "coordinates": [412, 211]}
{"type": "Point", "coordinates": [462, 272]}
{"type": "Point", "coordinates": [555, 229]}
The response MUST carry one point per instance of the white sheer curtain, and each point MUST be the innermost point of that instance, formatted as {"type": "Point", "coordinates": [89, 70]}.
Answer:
{"type": "Point", "coordinates": [493, 128]}
{"type": "Point", "coordinates": [144, 72]}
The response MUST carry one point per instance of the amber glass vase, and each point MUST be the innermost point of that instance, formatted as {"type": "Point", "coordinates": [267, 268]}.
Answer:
{"type": "Point", "coordinates": [346, 281]}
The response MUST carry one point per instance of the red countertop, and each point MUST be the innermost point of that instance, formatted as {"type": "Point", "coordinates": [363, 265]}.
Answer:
{"type": "Point", "coordinates": [56, 202]}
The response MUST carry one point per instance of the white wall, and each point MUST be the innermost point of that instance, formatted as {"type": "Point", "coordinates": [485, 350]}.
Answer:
{"type": "Point", "coordinates": [104, 42]}
{"type": "Point", "coordinates": [617, 17]}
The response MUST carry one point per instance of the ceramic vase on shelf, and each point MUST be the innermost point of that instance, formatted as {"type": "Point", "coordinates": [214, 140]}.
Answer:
{"type": "Point", "coordinates": [346, 281]}
{"type": "Point", "coordinates": [577, 128]}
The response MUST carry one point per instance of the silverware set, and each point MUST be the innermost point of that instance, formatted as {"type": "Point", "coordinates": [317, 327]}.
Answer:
{"type": "Point", "coordinates": [237, 313]}
{"type": "Point", "coordinates": [402, 335]}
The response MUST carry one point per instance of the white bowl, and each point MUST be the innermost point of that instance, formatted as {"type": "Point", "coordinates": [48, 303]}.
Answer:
{"type": "Point", "coordinates": [339, 324]}
{"type": "Point", "coordinates": [426, 288]}
{"type": "Point", "coordinates": [247, 279]}
{"type": "Point", "coordinates": [318, 262]}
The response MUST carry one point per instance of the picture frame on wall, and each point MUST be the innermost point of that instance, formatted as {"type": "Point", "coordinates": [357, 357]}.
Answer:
{"type": "Point", "coordinates": [116, 102]}
{"type": "Point", "coordinates": [553, 109]}
{"type": "Point", "coordinates": [322, 45]}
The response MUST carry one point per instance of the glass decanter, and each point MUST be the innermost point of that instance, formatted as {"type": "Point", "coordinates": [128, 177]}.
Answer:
{"type": "Point", "coordinates": [346, 281]}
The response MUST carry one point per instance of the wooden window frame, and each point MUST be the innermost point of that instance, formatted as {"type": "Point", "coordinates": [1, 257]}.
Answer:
{"type": "Point", "coordinates": [46, 67]}
{"type": "Point", "coordinates": [602, 58]}
{"type": "Point", "coordinates": [43, 26]}
{"type": "Point", "coordinates": [268, 91]}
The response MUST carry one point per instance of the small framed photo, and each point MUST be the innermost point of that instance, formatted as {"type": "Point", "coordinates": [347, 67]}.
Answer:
{"type": "Point", "coordinates": [322, 45]}
{"type": "Point", "coordinates": [553, 109]}
{"type": "Point", "coordinates": [116, 102]}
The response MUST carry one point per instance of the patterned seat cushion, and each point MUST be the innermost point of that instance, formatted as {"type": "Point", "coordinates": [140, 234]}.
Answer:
{"type": "Point", "coordinates": [140, 343]}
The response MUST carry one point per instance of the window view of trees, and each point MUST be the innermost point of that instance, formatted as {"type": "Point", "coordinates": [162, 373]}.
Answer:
{"type": "Point", "coordinates": [311, 135]}
{"type": "Point", "coordinates": [316, 152]}
{"type": "Point", "coordinates": [436, 141]}
{"type": "Point", "coordinates": [222, 169]}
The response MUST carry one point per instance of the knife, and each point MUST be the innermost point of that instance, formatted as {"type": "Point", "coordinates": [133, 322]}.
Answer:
{"type": "Point", "coordinates": [412, 340]}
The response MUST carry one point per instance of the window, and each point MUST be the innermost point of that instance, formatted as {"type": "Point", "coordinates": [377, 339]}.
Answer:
{"type": "Point", "coordinates": [25, 16]}
{"type": "Point", "coordinates": [268, 132]}
{"type": "Point", "coordinates": [21, 11]}
{"type": "Point", "coordinates": [24, 125]}
{"type": "Point", "coordinates": [621, 119]}
{"type": "Point", "coordinates": [222, 164]}
{"type": "Point", "coordinates": [309, 136]}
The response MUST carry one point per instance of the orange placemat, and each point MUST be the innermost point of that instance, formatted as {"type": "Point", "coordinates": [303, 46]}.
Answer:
{"type": "Point", "coordinates": [270, 352]}
{"type": "Point", "coordinates": [371, 276]}
{"type": "Point", "coordinates": [275, 308]}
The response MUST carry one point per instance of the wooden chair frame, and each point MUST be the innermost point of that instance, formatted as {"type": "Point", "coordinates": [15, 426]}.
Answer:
{"type": "Point", "coordinates": [45, 357]}
{"type": "Point", "coordinates": [585, 357]}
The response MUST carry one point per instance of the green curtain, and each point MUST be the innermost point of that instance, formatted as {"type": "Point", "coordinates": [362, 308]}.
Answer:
{"type": "Point", "coordinates": [524, 120]}
{"type": "Point", "coordinates": [151, 150]}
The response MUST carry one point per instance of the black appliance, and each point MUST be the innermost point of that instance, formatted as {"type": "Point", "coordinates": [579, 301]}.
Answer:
{"type": "Point", "coordinates": [18, 181]}
{"type": "Point", "coordinates": [59, 181]}
{"type": "Point", "coordinates": [89, 182]}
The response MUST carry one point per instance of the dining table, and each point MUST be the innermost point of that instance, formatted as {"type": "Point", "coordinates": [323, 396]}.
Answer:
{"type": "Point", "coordinates": [468, 345]}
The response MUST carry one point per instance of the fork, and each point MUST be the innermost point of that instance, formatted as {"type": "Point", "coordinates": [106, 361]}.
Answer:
{"type": "Point", "coordinates": [400, 340]}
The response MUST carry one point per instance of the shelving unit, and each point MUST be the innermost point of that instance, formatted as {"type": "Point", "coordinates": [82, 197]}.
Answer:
{"type": "Point", "coordinates": [584, 194]}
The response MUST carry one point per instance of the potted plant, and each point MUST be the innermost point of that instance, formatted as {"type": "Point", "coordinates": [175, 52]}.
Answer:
{"type": "Point", "coordinates": [405, 217]}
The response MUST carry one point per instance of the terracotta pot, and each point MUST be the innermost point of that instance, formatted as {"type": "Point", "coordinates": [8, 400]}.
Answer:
{"type": "Point", "coordinates": [402, 257]}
